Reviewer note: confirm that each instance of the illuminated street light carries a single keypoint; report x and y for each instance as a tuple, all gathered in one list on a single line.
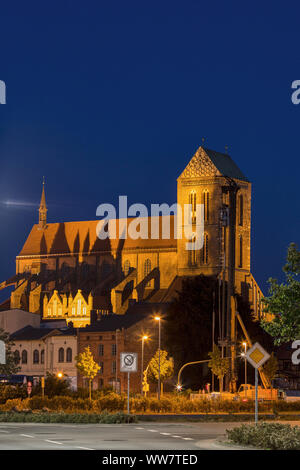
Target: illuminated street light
[(178, 387), (60, 375), (144, 338), (157, 318)]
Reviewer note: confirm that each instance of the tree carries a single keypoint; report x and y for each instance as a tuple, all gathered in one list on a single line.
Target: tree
[(284, 301), (87, 367), (11, 366), (270, 368), (54, 386), (218, 365), (188, 325), (166, 367)]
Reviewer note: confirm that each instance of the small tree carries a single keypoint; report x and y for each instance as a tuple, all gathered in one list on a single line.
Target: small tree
[(284, 301), (11, 366), (87, 367), (166, 367), (219, 365), (270, 368)]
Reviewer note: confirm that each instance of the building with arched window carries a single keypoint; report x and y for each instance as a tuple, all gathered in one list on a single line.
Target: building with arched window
[(65, 267), (43, 350)]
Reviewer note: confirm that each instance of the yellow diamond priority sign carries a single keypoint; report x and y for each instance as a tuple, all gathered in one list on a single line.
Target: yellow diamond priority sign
[(257, 356)]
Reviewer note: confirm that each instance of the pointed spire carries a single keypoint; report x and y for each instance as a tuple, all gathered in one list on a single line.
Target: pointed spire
[(43, 208)]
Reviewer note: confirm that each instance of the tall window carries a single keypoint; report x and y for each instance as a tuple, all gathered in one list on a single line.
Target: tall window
[(205, 249), (147, 270), (113, 367), (42, 356), (113, 349), (78, 306), (193, 203), (192, 253), (101, 349), (126, 267), (240, 251), (241, 209), (36, 357), (206, 205), (101, 364), (61, 355), (24, 357), (69, 355)]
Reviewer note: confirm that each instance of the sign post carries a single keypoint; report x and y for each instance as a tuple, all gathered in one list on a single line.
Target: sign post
[(128, 364), (2, 352), (43, 386), (257, 356)]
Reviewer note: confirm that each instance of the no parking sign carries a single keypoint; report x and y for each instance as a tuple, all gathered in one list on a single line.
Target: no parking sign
[(128, 362)]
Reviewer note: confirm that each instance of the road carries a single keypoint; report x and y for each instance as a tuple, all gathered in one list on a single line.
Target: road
[(145, 436)]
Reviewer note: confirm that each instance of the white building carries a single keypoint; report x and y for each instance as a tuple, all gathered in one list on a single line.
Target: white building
[(42, 350)]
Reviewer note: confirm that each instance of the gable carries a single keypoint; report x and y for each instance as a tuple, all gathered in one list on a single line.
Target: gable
[(206, 162)]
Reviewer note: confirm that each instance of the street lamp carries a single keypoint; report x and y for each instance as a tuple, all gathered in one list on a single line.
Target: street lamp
[(144, 338), (59, 375), (245, 346), (158, 319)]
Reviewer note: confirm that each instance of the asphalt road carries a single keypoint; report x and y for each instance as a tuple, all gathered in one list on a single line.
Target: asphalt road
[(144, 436)]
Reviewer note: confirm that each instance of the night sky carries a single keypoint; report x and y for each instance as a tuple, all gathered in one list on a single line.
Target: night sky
[(113, 98)]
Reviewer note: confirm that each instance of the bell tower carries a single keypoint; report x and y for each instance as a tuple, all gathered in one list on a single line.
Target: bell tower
[(43, 209)]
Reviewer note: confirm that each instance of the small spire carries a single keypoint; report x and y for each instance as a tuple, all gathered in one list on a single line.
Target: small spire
[(226, 149), (43, 208), (203, 140)]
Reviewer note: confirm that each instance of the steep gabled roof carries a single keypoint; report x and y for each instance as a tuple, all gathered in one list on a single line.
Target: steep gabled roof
[(206, 162), (81, 237)]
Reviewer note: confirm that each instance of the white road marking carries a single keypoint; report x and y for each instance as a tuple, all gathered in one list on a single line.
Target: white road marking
[(27, 435), (179, 437), (188, 438), (4, 431), (84, 448), (152, 430), (53, 442), (165, 433), (139, 428)]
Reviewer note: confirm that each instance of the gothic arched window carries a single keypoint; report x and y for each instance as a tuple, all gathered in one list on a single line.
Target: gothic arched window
[(147, 270), (61, 355), (69, 355), (192, 252), (193, 204), (42, 356), (241, 209), (36, 357), (206, 205), (126, 267), (205, 249), (240, 251), (24, 357)]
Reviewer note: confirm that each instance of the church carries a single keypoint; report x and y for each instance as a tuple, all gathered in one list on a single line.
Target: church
[(65, 272)]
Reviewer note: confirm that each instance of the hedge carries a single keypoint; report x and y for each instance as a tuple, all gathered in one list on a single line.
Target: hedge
[(92, 418), (274, 436)]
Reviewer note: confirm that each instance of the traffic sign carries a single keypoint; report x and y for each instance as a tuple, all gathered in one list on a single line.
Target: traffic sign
[(257, 356), (128, 362), (2, 352)]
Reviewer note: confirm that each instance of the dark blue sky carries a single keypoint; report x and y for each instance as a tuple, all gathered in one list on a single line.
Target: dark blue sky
[(109, 98)]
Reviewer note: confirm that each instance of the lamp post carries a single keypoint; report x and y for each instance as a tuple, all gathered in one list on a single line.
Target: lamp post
[(158, 319), (144, 338), (245, 346)]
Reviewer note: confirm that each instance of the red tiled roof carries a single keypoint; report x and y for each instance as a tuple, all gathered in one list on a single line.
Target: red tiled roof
[(81, 237)]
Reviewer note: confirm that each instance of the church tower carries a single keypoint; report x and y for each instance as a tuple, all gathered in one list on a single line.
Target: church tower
[(43, 209)]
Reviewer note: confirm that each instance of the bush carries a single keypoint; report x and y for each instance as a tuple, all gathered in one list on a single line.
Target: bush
[(274, 436), (105, 418)]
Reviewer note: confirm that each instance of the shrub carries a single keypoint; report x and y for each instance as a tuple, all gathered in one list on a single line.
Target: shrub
[(275, 436), (105, 418)]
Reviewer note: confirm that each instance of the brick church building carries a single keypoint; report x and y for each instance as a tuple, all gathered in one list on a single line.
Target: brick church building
[(64, 271)]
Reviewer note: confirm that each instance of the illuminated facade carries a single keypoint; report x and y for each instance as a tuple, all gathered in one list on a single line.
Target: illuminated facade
[(65, 271)]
